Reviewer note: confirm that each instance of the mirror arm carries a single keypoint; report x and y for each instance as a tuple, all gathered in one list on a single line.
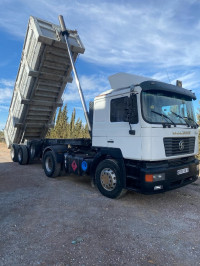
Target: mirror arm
[(131, 131)]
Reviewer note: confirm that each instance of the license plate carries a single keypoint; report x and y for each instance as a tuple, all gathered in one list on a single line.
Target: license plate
[(182, 171)]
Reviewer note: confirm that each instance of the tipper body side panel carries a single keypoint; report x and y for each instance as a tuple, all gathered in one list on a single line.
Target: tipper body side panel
[(43, 74)]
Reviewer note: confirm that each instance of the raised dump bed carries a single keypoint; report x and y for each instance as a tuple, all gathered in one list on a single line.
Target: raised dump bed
[(44, 71)]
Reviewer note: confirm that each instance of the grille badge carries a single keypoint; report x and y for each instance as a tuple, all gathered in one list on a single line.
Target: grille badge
[(181, 145)]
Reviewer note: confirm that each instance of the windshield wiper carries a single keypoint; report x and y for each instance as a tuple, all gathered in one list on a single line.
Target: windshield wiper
[(190, 119), (165, 116), (181, 118)]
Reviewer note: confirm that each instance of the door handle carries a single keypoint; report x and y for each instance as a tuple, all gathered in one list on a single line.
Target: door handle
[(110, 141)]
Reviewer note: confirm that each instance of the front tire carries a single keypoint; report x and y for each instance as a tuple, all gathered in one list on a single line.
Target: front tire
[(108, 179), (50, 165)]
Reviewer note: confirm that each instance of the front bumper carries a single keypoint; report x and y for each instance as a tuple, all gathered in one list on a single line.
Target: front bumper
[(172, 179)]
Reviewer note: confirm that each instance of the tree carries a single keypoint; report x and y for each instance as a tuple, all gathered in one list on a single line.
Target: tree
[(78, 132), (64, 123), (60, 129), (86, 132), (65, 130), (2, 136), (72, 124)]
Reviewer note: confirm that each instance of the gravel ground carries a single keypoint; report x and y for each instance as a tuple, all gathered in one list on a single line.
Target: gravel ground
[(65, 221)]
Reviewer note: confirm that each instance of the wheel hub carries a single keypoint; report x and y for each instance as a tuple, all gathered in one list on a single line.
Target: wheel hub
[(108, 179), (12, 153)]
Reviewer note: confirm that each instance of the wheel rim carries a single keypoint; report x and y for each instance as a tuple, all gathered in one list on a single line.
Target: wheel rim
[(49, 164), (108, 179), (20, 155), (12, 153)]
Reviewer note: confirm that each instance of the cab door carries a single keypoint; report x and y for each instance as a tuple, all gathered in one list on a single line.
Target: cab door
[(123, 129)]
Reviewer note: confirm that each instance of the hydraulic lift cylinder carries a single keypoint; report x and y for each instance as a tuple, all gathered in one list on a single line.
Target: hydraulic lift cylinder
[(66, 34)]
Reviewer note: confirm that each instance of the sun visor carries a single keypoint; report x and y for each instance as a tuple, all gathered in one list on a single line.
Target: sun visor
[(161, 86)]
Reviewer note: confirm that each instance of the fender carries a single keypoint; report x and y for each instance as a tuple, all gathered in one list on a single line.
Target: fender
[(106, 153), (58, 150)]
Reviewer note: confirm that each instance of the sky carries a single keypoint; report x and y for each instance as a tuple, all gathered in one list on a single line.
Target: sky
[(152, 38)]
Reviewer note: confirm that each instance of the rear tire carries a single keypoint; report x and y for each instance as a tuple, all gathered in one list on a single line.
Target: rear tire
[(50, 165), (14, 152), (23, 154), (108, 179), (34, 150)]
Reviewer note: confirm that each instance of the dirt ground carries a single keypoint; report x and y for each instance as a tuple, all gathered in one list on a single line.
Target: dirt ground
[(65, 221)]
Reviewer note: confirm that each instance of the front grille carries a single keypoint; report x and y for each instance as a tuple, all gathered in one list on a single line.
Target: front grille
[(176, 146)]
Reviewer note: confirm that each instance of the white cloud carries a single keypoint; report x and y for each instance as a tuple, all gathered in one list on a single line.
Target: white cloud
[(91, 85), (164, 76), (6, 91), (139, 36), (4, 107), (4, 63), (7, 82), (5, 95), (120, 33), (190, 79)]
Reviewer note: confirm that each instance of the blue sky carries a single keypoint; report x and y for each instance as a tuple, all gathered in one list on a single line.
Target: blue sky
[(158, 39)]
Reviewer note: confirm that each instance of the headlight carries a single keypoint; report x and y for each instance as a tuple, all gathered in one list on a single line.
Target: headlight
[(159, 177)]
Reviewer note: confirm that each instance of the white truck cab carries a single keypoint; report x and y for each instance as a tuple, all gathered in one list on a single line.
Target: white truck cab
[(162, 111), (150, 122)]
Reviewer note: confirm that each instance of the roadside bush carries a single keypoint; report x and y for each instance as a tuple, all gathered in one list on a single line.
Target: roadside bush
[(2, 139)]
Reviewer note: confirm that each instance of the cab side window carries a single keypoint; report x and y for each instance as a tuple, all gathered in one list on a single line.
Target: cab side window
[(118, 110)]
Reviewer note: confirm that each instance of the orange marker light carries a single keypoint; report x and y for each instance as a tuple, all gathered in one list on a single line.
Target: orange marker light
[(149, 178)]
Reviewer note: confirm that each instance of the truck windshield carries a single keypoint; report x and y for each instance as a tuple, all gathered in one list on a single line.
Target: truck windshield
[(178, 108)]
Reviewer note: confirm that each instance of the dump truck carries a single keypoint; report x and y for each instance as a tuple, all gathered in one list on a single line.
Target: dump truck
[(144, 136)]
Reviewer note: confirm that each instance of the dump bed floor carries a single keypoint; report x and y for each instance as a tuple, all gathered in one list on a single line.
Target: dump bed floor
[(44, 71)]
